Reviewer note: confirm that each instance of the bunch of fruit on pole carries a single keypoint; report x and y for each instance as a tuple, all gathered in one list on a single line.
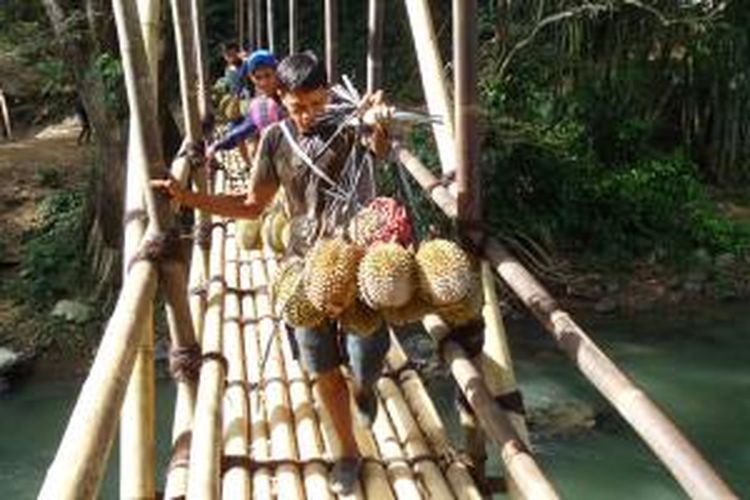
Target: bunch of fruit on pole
[(375, 274)]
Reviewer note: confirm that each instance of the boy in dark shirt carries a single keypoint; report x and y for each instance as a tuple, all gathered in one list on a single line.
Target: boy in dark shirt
[(283, 160)]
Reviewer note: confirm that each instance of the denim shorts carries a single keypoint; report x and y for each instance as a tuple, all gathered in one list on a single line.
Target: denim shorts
[(322, 349)]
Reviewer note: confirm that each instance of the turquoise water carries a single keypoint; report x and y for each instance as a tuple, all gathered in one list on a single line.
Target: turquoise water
[(697, 366)]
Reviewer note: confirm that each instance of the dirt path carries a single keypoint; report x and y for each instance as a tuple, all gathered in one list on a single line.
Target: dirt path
[(31, 167)]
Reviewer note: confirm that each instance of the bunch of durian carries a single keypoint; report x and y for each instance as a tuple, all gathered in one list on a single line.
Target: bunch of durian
[(361, 289)]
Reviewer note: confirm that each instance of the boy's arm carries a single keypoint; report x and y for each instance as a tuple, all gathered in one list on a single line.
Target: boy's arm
[(242, 206)]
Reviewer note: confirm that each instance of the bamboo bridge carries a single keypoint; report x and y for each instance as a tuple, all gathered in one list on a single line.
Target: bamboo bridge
[(246, 422)]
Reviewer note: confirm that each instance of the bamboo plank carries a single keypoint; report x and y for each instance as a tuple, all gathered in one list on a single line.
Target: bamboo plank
[(429, 421), (236, 480), (259, 448), (399, 471), (205, 450), (413, 441), (283, 445)]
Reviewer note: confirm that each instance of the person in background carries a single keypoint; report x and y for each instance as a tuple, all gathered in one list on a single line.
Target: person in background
[(264, 109)]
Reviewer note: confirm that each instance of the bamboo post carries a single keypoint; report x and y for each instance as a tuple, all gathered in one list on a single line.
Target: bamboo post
[(6, 115), (240, 19), (518, 461), (259, 23), (331, 39), (205, 446), (186, 56), (137, 432), (78, 466), (236, 480), (198, 21), (283, 445), (665, 439), (375, 45), (259, 449), (293, 27), (433, 82), (429, 422), (250, 24), (413, 441), (270, 32)]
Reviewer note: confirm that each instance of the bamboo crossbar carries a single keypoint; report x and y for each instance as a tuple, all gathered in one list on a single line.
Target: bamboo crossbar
[(695, 475)]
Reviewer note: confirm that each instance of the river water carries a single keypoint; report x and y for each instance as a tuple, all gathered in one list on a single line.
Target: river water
[(697, 366)]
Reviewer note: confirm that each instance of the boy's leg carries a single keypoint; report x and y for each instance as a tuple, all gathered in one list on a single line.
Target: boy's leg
[(319, 353), (366, 357)]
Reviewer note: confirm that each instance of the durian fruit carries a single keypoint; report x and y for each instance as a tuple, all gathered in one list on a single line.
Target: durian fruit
[(286, 235), (387, 276), (465, 310), (290, 300), (414, 310), (331, 275), (359, 319), (364, 225), (444, 272), (248, 231), (382, 220), (273, 225)]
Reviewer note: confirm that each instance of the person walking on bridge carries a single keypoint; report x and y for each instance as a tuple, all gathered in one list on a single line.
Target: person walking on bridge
[(280, 162)]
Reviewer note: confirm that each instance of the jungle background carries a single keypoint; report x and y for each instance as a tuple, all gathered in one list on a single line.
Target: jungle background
[(615, 145)]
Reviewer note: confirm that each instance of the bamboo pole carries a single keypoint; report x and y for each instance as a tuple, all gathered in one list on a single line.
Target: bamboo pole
[(137, 432), (399, 472), (429, 422), (186, 56), (665, 439), (413, 441), (293, 27), (518, 461), (466, 112), (240, 20), (332, 39), (198, 21), (281, 425), (205, 449), (78, 466), (259, 23), (375, 45), (236, 480), (270, 32), (259, 449), (433, 82), (6, 115), (251, 39)]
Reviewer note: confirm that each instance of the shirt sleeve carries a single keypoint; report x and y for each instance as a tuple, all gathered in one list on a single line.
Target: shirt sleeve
[(264, 172), (239, 133)]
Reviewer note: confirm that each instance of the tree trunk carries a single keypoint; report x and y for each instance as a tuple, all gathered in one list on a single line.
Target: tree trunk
[(78, 26)]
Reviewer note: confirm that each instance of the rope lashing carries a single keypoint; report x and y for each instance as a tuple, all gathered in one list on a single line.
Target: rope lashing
[(185, 363), (180, 455), (159, 248), (202, 232), (443, 181)]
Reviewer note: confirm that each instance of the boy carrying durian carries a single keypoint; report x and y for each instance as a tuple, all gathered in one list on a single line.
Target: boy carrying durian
[(307, 156)]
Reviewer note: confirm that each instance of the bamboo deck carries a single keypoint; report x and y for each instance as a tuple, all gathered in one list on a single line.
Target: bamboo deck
[(257, 430)]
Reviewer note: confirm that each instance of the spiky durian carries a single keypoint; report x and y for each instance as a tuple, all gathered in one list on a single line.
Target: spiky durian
[(383, 220), (290, 300), (412, 312), (444, 272), (387, 276), (359, 319), (273, 225), (286, 235), (465, 310), (247, 234), (331, 275)]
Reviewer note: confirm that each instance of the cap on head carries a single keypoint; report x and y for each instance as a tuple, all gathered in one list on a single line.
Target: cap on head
[(259, 58)]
